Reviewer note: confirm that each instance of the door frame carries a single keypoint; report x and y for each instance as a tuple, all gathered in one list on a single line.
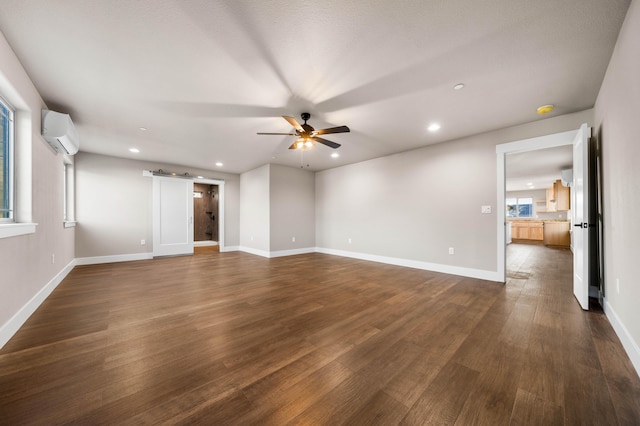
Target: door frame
[(220, 184), (525, 145)]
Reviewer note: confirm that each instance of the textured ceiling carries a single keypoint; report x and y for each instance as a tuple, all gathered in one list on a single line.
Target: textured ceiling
[(203, 77)]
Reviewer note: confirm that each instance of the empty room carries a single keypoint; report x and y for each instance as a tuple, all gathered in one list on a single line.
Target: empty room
[(330, 213)]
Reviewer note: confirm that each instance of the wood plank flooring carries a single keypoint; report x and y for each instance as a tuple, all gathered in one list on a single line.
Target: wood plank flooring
[(232, 338)]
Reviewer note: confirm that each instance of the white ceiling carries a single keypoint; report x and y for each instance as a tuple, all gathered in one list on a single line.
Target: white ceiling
[(203, 77), (537, 169)]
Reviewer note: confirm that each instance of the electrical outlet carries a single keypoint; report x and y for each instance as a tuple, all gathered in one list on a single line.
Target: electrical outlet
[(53, 258), (293, 239), (452, 250), (142, 242), (618, 285), (486, 209), (252, 238), (349, 240)]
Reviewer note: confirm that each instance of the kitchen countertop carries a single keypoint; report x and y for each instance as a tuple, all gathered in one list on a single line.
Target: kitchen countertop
[(536, 220)]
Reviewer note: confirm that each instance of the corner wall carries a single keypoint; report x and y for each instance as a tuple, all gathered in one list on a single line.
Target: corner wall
[(616, 116), (292, 209), (278, 205), (254, 211)]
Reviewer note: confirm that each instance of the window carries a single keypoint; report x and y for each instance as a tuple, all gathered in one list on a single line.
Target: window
[(69, 205), (519, 207), (6, 162)]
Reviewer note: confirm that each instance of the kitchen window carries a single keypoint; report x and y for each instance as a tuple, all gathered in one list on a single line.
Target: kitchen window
[(519, 207)]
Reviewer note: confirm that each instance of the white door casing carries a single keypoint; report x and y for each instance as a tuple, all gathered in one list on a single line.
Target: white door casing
[(172, 216), (502, 150)]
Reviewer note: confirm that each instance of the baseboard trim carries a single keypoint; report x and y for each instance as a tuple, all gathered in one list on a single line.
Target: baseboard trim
[(629, 345), (224, 249), (282, 253), (434, 267), (113, 259), (279, 253), (257, 252), (16, 321)]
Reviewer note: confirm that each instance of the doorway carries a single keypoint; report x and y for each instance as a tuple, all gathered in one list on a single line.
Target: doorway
[(583, 257), (173, 214), (205, 214), (214, 221)]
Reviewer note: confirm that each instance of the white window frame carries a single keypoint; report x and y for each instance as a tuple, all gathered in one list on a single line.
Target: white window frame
[(69, 202), (518, 206), (10, 161), (21, 166)]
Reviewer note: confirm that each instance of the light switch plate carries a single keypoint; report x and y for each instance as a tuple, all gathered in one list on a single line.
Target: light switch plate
[(486, 209)]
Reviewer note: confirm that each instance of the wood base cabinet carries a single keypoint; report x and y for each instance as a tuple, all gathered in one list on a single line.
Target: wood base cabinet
[(557, 234), (527, 230)]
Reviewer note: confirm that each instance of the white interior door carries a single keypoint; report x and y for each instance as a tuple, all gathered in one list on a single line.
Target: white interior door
[(580, 216), (172, 216)]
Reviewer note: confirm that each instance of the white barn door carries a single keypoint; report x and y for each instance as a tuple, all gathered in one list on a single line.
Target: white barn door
[(172, 216)]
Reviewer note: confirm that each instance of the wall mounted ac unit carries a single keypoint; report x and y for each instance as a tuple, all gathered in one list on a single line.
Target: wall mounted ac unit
[(567, 177), (58, 130)]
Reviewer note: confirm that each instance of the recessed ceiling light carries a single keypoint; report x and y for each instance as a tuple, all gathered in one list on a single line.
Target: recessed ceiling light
[(433, 127), (544, 109), (458, 86), (136, 150), (219, 164), (200, 177), (529, 183), (144, 129), (335, 155)]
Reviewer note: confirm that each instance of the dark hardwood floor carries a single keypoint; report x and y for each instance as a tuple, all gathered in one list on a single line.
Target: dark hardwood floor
[(232, 338)]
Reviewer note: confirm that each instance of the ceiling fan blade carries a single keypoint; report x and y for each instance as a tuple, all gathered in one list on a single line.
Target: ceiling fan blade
[(339, 129), (285, 134), (294, 123), (327, 143)]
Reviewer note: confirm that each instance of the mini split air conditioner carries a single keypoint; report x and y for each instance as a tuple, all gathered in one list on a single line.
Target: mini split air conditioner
[(58, 130), (567, 177)]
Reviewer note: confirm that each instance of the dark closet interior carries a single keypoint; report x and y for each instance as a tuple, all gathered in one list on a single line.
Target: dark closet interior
[(205, 212)]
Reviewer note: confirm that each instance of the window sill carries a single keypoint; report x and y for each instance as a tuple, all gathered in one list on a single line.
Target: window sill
[(15, 229), (69, 224)]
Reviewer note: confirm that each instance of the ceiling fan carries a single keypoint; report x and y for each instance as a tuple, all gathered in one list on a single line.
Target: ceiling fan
[(307, 135)]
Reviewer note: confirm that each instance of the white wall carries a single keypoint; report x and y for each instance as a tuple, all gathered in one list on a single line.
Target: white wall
[(28, 274), (616, 116), (114, 202), (292, 208), (413, 206), (254, 211)]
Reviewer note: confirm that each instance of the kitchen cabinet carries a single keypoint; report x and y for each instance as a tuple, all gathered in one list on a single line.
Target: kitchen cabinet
[(562, 196), (556, 233), (527, 230), (536, 232), (551, 199), (558, 199)]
